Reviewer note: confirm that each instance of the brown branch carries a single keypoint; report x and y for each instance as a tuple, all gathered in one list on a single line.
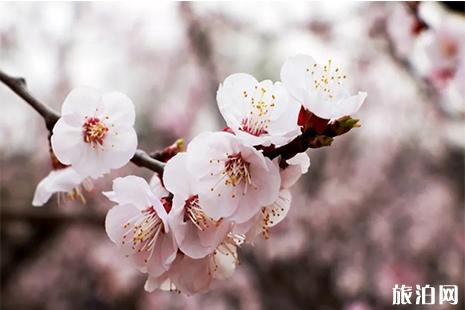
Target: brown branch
[(50, 116), (316, 133), (19, 87)]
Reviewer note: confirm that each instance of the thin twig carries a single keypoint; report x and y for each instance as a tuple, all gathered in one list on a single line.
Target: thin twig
[(50, 116), (19, 87)]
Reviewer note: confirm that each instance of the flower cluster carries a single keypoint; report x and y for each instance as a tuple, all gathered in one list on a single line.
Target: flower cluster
[(183, 229)]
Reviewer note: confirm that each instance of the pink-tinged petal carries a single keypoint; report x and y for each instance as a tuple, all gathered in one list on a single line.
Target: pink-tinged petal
[(198, 244), (251, 228), (118, 108), (279, 209), (119, 146), (116, 219), (84, 101), (298, 165), (267, 180), (156, 186), (176, 221), (217, 207), (176, 176), (67, 142), (248, 208), (163, 255), (63, 180), (294, 75), (132, 190), (73, 120), (225, 262), (193, 275)]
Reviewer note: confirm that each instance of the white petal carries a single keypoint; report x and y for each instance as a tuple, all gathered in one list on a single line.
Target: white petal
[(115, 220), (84, 101), (349, 105), (295, 76), (230, 97), (225, 262), (91, 162), (132, 190), (157, 187), (67, 142), (298, 165), (119, 108), (279, 209), (63, 180), (162, 282), (119, 146), (176, 176)]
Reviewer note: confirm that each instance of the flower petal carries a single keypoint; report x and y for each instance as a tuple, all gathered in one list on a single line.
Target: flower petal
[(295, 76), (132, 190), (279, 209), (115, 220), (63, 180), (176, 176), (84, 101), (119, 108), (119, 146), (67, 142), (231, 100), (298, 165)]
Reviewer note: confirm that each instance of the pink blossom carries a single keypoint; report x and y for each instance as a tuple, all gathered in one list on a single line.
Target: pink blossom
[(197, 234), (233, 180), (95, 132), (441, 48), (273, 214), (190, 276), (320, 88), (139, 225), (259, 113)]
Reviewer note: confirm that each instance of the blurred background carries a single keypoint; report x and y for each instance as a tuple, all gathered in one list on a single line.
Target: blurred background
[(383, 205)]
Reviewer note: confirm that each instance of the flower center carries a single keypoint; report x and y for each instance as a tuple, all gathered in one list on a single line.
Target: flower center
[(143, 230), (449, 48), (236, 170), (257, 120), (94, 131), (195, 214), (326, 80)]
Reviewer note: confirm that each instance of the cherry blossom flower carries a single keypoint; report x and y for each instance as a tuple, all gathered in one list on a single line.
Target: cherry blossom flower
[(190, 276), (275, 213), (296, 167), (95, 132), (259, 113), (319, 88), (139, 225), (438, 51), (197, 234), (233, 180), (65, 180)]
